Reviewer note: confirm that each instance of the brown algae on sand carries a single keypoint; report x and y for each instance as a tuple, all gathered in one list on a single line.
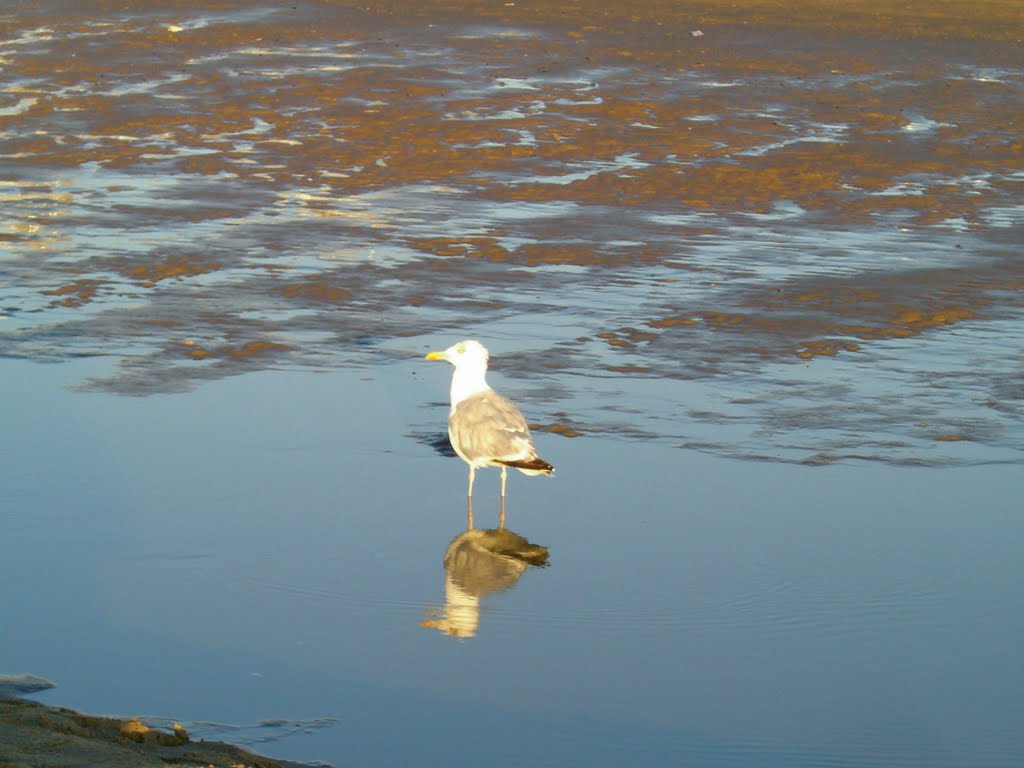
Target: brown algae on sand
[(802, 184)]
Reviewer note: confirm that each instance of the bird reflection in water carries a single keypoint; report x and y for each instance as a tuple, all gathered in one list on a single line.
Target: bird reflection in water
[(478, 563)]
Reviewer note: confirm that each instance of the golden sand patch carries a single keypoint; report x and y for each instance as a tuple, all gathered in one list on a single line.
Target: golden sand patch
[(171, 267), (76, 293)]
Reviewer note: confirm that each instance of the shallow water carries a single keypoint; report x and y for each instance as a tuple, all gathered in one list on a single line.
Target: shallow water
[(209, 558), (768, 279)]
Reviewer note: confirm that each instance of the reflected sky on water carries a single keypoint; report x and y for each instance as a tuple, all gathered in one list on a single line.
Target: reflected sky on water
[(251, 554)]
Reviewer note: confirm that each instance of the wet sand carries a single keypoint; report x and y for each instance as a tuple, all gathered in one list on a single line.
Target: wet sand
[(765, 230), (33, 735), (672, 194)]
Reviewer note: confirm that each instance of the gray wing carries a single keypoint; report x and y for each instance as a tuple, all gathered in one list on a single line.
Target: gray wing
[(488, 426)]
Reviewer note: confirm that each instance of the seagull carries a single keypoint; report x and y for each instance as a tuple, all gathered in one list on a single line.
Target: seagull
[(486, 429)]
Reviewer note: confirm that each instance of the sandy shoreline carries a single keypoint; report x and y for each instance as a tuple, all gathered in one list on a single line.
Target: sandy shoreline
[(725, 194), (35, 735)]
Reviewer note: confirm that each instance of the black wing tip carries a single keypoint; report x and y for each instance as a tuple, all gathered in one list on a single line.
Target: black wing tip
[(534, 465)]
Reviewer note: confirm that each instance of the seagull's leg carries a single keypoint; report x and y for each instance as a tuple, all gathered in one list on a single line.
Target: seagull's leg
[(503, 470), (472, 471), (501, 515), (469, 514)]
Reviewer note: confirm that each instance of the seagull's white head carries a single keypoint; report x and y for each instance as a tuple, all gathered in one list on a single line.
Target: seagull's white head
[(466, 355), (470, 360)]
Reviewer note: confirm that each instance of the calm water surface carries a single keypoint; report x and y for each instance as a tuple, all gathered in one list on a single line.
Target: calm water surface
[(267, 547), (759, 291)]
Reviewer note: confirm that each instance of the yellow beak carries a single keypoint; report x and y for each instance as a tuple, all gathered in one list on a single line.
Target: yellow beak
[(437, 356)]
